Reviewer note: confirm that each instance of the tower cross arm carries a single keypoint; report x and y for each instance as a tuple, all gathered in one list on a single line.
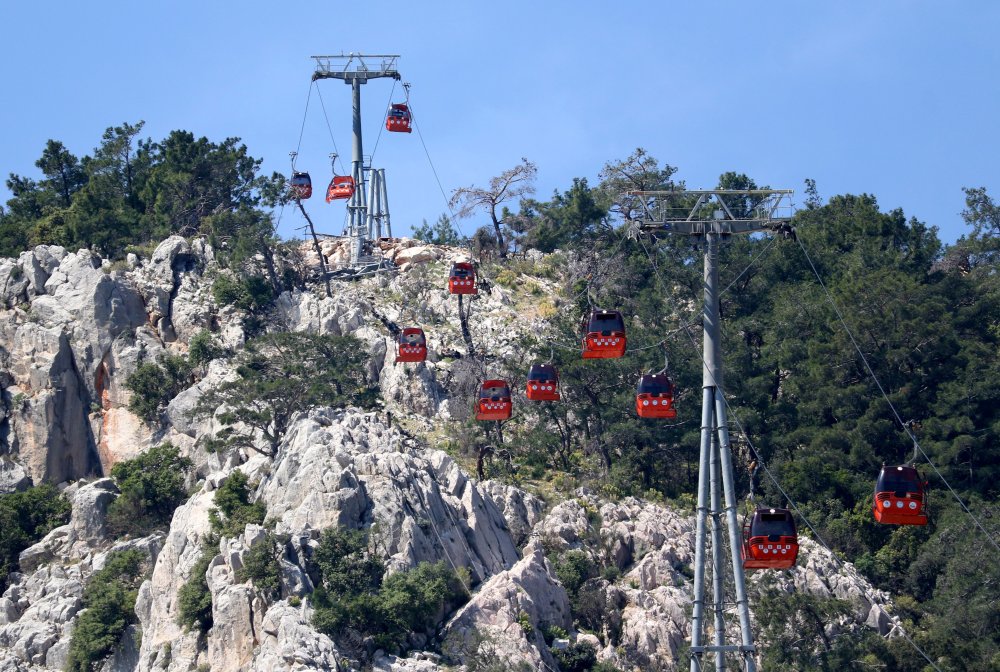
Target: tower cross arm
[(352, 66), (697, 212)]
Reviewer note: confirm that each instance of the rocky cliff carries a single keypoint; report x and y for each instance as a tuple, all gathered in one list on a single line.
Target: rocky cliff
[(73, 327)]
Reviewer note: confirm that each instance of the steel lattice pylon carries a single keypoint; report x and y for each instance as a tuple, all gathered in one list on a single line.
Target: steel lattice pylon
[(712, 216), (367, 213)]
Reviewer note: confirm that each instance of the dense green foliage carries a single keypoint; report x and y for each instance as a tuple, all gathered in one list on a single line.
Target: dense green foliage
[(153, 385), (26, 517), (133, 192), (194, 599), (109, 608), (152, 486), (233, 509), (354, 593), (281, 374), (925, 316), (261, 566), (202, 349), (442, 232)]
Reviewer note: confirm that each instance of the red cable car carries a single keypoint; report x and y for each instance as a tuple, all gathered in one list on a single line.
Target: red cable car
[(398, 119), (301, 185), (462, 279), (494, 401), (543, 383), (770, 540), (654, 398), (900, 496), (341, 186), (603, 334), (411, 346)]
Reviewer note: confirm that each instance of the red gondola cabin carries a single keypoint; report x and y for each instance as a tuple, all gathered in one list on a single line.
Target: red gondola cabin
[(543, 383), (462, 279), (654, 398), (411, 346), (341, 186), (301, 185), (603, 334), (494, 401), (770, 540), (398, 119), (900, 497)]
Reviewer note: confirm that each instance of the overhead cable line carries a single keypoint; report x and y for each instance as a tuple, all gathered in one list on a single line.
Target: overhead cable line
[(305, 115), (329, 128), (423, 144), (885, 396), (746, 436), (381, 127)]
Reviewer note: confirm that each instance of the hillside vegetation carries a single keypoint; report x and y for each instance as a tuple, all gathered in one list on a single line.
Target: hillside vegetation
[(926, 317)]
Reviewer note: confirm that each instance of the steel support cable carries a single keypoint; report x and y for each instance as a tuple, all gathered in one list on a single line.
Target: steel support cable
[(305, 115), (382, 126), (423, 144), (329, 129), (760, 462), (750, 265), (885, 396)]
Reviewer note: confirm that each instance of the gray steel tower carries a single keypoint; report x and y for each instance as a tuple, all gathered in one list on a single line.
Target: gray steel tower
[(711, 216), (367, 214)]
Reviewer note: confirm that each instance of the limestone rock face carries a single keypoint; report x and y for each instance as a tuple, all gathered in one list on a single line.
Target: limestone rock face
[(13, 476), (511, 608), (347, 468), (289, 642), (39, 608), (156, 605), (72, 330)]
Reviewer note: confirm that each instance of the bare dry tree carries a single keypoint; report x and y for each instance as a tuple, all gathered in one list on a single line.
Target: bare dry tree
[(512, 183)]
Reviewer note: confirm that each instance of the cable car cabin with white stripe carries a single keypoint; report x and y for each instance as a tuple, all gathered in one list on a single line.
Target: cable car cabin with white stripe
[(900, 496), (411, 346), (494, 401), (603, 334), (543, 383)]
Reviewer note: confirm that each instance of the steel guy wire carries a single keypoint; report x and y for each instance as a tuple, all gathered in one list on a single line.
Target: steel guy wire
[(885, 396)]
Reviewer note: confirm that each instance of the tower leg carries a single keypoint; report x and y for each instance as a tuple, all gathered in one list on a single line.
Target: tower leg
[(718, 571), (697, 618), (735, 534)]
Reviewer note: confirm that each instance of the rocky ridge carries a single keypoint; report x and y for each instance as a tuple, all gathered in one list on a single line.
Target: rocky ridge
[(74, 327)]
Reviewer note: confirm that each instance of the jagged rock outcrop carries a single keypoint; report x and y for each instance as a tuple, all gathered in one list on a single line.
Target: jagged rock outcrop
[(333, 468), (38, 609), (511, 609), (347, 468), (72, 329)]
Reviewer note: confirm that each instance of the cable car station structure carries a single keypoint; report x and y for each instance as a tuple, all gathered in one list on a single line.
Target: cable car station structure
[(368, 207), (711, 217)]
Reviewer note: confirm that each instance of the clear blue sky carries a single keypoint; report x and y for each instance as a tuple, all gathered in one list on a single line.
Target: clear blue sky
[(894, 98)]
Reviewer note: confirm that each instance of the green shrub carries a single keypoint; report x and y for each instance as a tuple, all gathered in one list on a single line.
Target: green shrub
[(202, 348), (574, 568), (26, 517), (194, 599), (109, 608), (152, 486), (579, 657), (233, 510), (252, 294), (353, 595), (154, 385), (261, 566)]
